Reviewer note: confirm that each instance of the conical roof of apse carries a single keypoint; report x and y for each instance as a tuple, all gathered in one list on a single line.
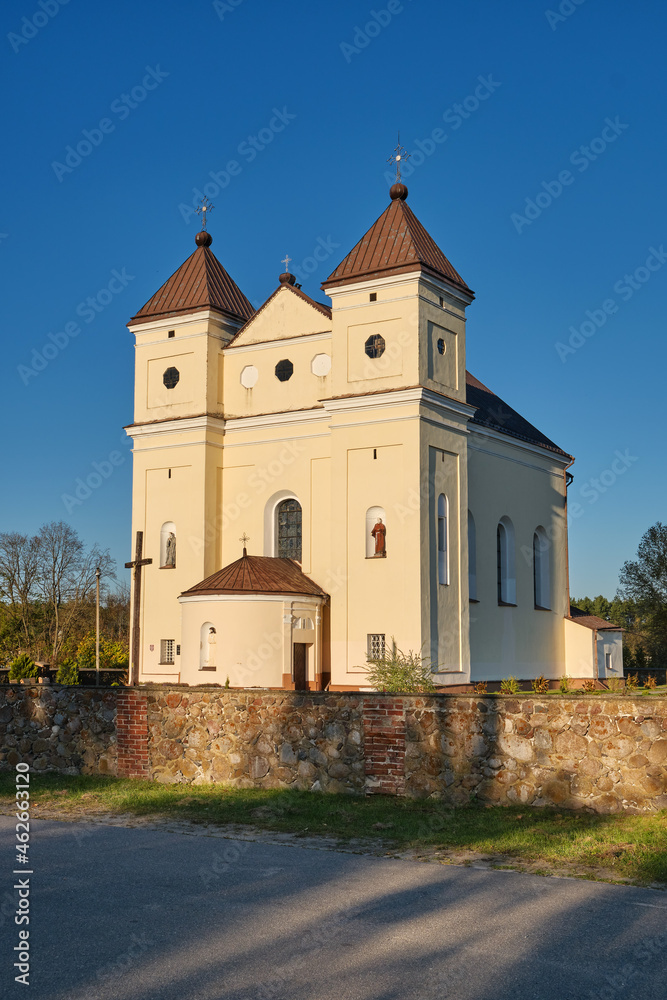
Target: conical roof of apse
[(258, 575)]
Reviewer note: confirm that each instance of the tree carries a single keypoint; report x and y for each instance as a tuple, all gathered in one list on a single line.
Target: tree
[(47, 593), (644, 582), (112, 654), (65, 579), (21, 667), (19, 565)]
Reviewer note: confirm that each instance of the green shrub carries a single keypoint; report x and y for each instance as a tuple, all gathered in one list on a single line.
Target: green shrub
[(112, 654), (564, 684), (631, 683), (22, 666), (398, 672), (68, 672), (510, 685)]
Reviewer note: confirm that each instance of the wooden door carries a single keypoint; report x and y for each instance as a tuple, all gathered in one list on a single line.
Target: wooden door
[(300, 666)]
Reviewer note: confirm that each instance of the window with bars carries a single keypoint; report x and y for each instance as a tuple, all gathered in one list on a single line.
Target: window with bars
[(167, 650), (375, 346), (288, 530), (376, 645)]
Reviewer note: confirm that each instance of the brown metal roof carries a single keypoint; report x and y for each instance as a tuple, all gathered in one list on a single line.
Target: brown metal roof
[(590, 621), (496, 414), (397, 242), (200, 283), (258, 575)]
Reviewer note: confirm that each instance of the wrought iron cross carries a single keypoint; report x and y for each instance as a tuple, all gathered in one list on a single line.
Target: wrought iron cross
[(205, 207), (245, 539), (286, 261), (398, 156)]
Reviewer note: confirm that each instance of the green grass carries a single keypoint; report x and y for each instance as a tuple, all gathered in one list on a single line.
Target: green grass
[(631, 847)]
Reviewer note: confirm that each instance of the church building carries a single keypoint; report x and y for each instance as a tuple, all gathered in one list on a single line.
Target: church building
[(318, 483)]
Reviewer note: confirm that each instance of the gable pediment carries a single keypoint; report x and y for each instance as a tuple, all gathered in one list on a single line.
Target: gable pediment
[(287, 313)]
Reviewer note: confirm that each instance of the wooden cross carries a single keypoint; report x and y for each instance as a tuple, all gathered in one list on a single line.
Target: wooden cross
[(136, 565), (286, 261)]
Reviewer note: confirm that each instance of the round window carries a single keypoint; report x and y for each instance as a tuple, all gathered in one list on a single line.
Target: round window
[(375, 346), (441, 346), (284, 370), (171, 377)]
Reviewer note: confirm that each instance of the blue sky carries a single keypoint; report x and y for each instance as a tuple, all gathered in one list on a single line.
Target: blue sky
[(179, 88)]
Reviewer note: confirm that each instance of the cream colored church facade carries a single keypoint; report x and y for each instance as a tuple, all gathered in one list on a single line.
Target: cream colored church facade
[(316, 482)]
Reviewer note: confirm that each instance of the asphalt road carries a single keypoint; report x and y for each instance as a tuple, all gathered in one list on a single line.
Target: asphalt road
[(140, 914)]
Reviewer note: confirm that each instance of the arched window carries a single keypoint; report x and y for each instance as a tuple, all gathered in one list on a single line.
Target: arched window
[(443, 539), (376, 538), (541, 581), (168, 545), (472, 558), (288, 529), (207, 646), (506, 571)]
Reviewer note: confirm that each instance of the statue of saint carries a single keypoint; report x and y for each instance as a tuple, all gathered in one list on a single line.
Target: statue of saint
[(211, 647), (379, 533), (170, 554)]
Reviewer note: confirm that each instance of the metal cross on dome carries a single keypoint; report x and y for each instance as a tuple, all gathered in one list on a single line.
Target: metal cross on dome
[(205, 207), (286, 261), (245, 539), (398, 156)]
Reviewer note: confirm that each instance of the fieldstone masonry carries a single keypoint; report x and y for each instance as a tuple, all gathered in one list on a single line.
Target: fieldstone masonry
[(68, 729), (585, 751)]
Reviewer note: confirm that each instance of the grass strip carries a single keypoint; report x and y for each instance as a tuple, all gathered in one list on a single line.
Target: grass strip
[(630, 847)]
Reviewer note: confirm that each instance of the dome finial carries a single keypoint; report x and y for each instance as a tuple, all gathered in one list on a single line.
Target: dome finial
[(286, 278), (204, 239), (244, 538)]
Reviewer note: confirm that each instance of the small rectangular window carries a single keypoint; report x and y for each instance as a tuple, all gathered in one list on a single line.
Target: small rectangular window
[(375, 453), (442, 302), (166, 651), (376, 645), (169, 476), (607, 661), (172, 333), (373, 297)]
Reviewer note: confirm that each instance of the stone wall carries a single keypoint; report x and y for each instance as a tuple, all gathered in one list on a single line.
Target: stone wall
[(607, 754), (268, 740), (66, 729), (585, 751)]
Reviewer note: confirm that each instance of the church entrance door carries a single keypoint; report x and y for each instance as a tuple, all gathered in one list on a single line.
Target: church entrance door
[(300, 664)]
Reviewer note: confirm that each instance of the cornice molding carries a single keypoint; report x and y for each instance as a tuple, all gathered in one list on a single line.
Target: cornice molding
[(262, 345)]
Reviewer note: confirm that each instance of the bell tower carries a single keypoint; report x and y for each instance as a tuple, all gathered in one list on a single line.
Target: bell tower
[(399, 428), (177, 435)]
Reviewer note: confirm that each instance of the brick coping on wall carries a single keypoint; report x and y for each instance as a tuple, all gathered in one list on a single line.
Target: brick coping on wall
[(599, 694)]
